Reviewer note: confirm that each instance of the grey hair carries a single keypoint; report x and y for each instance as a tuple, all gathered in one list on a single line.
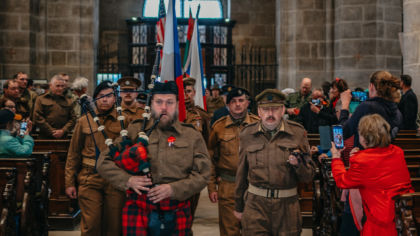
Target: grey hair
[(56, 77), (80, 83)]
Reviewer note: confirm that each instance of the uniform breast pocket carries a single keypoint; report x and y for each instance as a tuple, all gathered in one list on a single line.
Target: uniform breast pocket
[(284, 150), (227, 144), (47, 107), (256, 156), (181, 154)]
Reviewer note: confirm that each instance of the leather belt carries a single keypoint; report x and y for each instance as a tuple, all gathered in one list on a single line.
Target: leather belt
[(88, 162), (272, 193)]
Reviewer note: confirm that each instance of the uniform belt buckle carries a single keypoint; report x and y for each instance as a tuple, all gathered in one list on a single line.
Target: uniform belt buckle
[(270, 193)]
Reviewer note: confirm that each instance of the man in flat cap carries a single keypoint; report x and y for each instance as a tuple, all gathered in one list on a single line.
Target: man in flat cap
[(128, 92), (273, 158), (215, 101), (180, 168), (100, 203), (223, 149)]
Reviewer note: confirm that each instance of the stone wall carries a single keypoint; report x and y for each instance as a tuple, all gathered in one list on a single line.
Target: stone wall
[(44, 37)]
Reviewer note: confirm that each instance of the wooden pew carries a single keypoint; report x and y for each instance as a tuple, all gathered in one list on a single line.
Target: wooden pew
[(407, 213), (7, 201), (64, 213)]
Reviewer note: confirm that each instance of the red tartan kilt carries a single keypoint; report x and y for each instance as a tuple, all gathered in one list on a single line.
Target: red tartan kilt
[(137, 208)]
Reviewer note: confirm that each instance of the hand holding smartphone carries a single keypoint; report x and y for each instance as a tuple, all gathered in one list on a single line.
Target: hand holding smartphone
[(338, 136)]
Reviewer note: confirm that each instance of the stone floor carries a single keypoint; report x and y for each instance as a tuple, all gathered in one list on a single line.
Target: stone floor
[(205, 223)]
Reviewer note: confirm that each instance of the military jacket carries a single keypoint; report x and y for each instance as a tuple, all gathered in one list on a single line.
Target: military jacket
[(263, 162), (214, 103), (82, 144), (224, 147), (183, 163), (132, 113), (200, 119), (53, 112), (28, 97)]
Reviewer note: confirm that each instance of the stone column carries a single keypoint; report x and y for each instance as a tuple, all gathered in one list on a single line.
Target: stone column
[(411, 42)]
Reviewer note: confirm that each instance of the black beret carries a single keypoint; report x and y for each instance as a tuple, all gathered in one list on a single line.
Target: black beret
[(227, 88), (6, 116), (142, 97), (165, 88), (103, 85), (236, 92)]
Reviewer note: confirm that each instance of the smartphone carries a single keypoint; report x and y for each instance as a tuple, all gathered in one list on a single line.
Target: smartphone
[(316, 102), (338, 136), (23, 127), (358, 96)]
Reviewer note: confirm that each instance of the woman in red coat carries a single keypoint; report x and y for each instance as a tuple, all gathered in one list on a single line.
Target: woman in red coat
[(379, 172)]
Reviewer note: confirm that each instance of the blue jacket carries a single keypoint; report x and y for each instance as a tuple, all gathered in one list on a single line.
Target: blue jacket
[(15, 146), (377, 105)]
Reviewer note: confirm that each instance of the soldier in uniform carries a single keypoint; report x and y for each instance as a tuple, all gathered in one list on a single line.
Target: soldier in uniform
[(141, 100), (128, 92), (100, 203), (271, 165), (53, 112), (296, 100), (180, 165), (223, 149), (27, 97), (215, 101), (223, 111), (12, 92)]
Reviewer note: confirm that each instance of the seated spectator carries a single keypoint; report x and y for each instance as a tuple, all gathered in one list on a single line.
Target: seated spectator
[(295, 101), (13, 145), (408, 104), (379, 172), (27, 97), (312, 115), (53, 113)]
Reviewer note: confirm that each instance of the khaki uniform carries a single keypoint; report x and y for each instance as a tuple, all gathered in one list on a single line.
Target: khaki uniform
[(184, 165), (28, 97), (100, 203), (223, 149), (297, 100), (264, 165), (213, 104), (53, 112), (132, 113)]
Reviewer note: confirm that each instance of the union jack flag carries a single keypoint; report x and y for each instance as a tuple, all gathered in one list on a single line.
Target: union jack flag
[(160, 26)]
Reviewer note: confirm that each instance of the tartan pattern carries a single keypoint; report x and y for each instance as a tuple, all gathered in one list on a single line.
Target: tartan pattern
[(133, 159), (137, 208)]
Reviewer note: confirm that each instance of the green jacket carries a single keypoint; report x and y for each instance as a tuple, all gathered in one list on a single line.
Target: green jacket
[(297, 100)]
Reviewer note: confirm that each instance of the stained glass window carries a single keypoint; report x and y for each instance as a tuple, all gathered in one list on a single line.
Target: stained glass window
[(209, 9)]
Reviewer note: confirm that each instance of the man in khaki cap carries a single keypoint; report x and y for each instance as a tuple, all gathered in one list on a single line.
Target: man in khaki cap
[(215, 101), (271, 163), (223, 150), (128, 93)]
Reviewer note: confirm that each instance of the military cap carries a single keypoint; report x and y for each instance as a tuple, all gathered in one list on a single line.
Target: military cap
[(165, 88), (227, 88), (215, 87), (142, 97), (188, 81), (129, 82), (270, 97), (236, 92), (103, 85), (6, 116)]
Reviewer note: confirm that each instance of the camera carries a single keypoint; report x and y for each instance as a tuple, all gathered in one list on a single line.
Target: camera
[(358, 96), (316, 102)]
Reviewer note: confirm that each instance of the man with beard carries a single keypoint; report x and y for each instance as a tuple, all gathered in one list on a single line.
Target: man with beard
[(53, 112), (223, 149), (100, 203), (271, 165), (180, 166), (128, 92), (27, 97)]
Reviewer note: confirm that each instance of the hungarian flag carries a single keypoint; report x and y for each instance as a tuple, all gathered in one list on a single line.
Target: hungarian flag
[(194, 64), (171, 62)]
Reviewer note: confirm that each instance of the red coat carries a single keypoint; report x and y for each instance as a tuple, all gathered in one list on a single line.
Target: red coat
[(379, 174)]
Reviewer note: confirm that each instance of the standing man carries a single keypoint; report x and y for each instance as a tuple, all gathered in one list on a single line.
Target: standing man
[(53, 112), (128, 92), (223, 149), (79, 87), (100, 203), (27, 97), (295, 101), (180, 167), (12, 92), (408, 104), (270, 169), (215, 101), (223, 111)]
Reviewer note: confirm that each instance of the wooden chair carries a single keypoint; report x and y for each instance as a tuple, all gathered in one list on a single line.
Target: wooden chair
[(407, 214), (8, 201)]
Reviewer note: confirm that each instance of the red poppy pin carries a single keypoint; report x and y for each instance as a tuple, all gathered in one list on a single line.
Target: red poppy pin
[(171, 141)]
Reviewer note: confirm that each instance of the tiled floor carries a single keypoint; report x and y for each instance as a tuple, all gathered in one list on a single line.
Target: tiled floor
[(205, 223)]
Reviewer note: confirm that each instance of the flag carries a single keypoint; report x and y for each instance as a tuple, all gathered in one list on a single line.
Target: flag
[(194, 66), (160, 25), (171, 60), (187, 59)]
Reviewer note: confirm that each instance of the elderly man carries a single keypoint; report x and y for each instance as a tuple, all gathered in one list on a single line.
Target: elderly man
[(128, 92), (272, 162), (100, 203), (295, 101), (79, 88), (27, 97), (53, 112), (223, 149), (12, 92), (180, 168)]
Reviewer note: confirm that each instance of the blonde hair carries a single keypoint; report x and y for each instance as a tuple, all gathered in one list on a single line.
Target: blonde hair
[(375, 130), (387, 86)]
